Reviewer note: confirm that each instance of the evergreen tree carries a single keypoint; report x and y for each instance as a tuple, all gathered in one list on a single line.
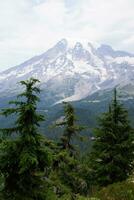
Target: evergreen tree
[(68, 171), (112, 154), (24, 161), (71, 129)]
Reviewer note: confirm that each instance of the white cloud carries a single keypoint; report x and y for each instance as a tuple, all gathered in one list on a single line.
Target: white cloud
[(29, 27)]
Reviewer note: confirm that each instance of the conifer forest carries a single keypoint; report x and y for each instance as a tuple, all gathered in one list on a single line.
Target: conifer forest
[(36, 167)]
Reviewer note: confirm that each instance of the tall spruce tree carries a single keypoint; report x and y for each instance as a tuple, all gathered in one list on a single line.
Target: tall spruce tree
[(67, 168), (24, 161), (71, 129), (112, 154)]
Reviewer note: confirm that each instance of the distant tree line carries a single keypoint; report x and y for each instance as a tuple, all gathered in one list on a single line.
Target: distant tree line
[(33, 167)]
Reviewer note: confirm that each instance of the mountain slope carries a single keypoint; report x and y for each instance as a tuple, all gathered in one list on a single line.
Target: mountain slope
[(72, 72)]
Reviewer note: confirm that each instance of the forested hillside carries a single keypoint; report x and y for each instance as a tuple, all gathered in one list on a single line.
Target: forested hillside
[(35, 167)]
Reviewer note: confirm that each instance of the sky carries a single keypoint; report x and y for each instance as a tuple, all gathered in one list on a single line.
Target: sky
[(30, 27)]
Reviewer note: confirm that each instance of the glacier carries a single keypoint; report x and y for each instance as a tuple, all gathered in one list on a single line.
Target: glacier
[(71, 72)]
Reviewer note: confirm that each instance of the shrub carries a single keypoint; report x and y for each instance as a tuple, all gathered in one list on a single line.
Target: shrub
[(117, 191)]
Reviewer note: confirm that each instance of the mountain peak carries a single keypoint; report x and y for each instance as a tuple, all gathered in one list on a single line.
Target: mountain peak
[(62, 42), (78, 46), (105, 49), (72, 70)]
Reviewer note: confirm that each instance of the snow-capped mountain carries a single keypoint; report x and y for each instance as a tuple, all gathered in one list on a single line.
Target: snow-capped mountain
[(71, 72)]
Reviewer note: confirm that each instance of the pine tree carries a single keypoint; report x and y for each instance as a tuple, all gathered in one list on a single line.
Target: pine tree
[(112, 154), (24, 161), (71, 129), (67, 168)]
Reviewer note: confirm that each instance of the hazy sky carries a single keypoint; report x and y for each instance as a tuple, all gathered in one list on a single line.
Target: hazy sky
[(29, 27)]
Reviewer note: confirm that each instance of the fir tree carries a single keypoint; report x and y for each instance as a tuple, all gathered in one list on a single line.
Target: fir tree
[(112, 154), (67, 168), (24, 161), (71, 129)]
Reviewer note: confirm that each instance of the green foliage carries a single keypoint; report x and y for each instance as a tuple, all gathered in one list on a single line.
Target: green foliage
[(112, 154), (35, 168), (85, 198), (68, 171), (24, 160), (71, 129), (117, 191), (67, 175)]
